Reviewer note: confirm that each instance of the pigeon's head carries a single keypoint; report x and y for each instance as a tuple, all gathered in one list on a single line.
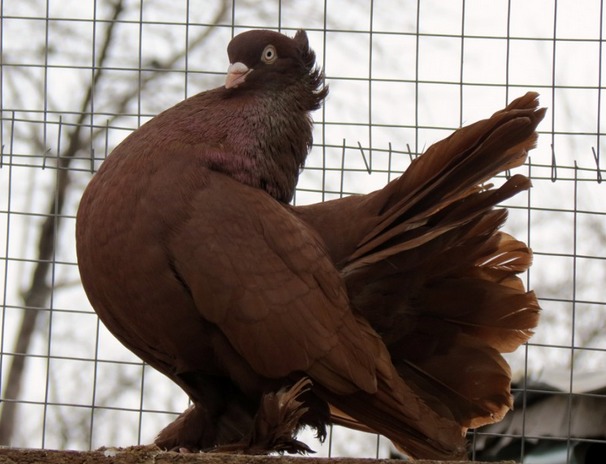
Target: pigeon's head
[(262, 59)]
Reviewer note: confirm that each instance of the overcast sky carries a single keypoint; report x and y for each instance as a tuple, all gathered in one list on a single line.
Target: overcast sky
[(416, 77)]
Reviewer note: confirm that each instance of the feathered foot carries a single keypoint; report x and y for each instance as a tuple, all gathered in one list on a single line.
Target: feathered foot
[(184, 433), (276, 424)]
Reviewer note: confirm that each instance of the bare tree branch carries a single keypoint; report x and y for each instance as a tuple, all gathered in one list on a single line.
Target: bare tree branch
[(146, 79), (36, 296)]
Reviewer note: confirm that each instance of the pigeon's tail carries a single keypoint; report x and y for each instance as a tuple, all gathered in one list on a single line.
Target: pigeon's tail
[(425, 263), (396, 411), (449, 175), (447, 309)]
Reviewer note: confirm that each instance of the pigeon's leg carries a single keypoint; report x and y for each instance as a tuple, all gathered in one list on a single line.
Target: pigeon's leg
[(279, 418)]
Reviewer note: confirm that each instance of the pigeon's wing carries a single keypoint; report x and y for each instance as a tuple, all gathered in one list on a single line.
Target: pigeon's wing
[(265, 280)]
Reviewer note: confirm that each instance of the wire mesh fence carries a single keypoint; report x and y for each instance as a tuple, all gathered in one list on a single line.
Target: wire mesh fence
[(77, 77)]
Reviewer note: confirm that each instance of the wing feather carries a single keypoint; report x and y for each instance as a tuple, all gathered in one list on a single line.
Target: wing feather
[(265, 279)]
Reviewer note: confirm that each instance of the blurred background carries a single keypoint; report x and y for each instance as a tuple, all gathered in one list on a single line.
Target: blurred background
[(77, 77)]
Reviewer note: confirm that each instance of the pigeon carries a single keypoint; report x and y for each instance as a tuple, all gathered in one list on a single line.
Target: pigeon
[(385, 312)]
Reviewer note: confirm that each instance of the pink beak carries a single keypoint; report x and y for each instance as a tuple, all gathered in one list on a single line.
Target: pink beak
[(236, 75)]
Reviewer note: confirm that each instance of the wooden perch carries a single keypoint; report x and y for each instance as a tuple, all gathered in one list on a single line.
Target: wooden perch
[(153, 455)]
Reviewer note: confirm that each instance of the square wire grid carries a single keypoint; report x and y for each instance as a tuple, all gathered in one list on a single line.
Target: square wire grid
[(77, 77)]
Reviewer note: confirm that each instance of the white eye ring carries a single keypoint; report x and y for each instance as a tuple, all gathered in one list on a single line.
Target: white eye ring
[(269, 54)]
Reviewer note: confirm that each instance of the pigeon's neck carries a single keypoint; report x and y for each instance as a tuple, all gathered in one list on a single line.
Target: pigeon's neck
[(282, 144), (258, 138), (270, 138)]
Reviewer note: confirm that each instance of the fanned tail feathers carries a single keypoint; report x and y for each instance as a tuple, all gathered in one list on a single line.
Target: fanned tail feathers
[(438, 281), (453, 169)]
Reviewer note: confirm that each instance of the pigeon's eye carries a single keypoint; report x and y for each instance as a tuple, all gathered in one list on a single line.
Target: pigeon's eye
[(269, 54)]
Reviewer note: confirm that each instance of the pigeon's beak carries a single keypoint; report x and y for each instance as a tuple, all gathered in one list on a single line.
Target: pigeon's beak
[(236, 74)]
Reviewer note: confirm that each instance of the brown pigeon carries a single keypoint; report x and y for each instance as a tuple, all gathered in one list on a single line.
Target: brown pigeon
[(384, 312)]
